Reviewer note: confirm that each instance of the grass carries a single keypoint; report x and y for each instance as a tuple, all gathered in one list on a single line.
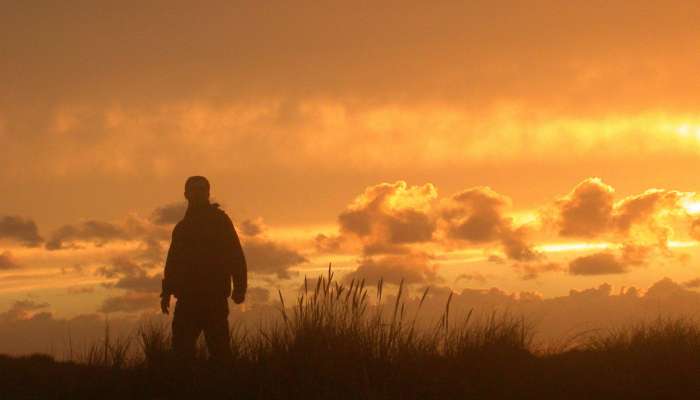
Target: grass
[(332, 343)]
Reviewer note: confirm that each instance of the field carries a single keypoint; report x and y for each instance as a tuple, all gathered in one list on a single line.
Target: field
[(332, 344)]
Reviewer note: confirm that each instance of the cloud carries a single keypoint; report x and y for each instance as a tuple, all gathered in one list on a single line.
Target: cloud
[(7, 261), (264, 256), (25, 327), (131, 276), (667, 289), (563, 317), (493, 258), (401, 219), (597, 264), (516, 246), (634, 254), (120, 266), (169, 214), (98, 232), (252, 227), (151, 250), (410, 226), (392, 268), (388, 215), (325, 244), (22, 309), (348, 70), (346, 62), (639, 224), (647, 219), (695, 229), (533, 270), (80, 289), (643, 208), (477, 216), (129, 302), (21, 230), (140, 283), (587, 210), (472, 277)]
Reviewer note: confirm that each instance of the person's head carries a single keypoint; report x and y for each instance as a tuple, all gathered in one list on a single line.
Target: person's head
[(197, 190)]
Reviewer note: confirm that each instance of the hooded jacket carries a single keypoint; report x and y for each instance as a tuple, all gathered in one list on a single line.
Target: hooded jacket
[(205, 254)]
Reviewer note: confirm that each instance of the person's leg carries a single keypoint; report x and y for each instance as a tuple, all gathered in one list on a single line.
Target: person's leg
[(216, 331), (186, 330)]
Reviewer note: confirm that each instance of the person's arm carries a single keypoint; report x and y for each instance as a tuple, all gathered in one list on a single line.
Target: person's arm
[(171, 270), (240, 271), (239, 268)]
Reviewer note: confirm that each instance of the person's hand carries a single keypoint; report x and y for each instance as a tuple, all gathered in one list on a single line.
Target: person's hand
[(238, 297), (165, 303)]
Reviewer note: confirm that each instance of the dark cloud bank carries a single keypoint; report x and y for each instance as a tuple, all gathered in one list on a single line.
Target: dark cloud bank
[(29, 326)]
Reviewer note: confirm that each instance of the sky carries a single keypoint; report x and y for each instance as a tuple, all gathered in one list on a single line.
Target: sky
[(534, 151)]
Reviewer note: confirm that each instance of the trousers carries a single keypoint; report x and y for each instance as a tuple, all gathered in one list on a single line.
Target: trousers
[(191, 317)]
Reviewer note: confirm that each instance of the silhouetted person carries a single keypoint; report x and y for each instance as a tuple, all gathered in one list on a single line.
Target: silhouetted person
[(204, 256)]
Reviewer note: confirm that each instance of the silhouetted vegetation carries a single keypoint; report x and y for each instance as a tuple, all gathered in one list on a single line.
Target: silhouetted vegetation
[(332, 344)]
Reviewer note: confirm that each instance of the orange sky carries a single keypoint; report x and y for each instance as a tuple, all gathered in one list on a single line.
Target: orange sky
[(378, 126)]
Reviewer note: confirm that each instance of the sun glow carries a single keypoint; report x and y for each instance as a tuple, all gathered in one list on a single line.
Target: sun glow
[(573, 247), (691, 131), (562, 247), (692, 207)]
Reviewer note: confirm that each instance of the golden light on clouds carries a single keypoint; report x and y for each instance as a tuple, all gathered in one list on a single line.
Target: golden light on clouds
[(690, 131), (328, 134), (477, 146), (692, 206)]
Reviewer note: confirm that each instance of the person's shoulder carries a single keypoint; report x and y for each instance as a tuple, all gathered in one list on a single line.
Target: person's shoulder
[(178, 226), (219, 212)]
